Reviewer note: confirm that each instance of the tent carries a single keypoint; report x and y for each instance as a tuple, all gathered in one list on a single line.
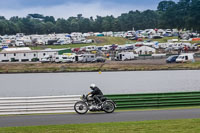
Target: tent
[(144, 50)]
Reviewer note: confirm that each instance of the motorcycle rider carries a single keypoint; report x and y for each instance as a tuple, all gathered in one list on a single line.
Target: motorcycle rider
[(96, 94)]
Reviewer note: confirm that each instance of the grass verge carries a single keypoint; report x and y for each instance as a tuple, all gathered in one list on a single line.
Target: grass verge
[(92, 67), (156, 126)]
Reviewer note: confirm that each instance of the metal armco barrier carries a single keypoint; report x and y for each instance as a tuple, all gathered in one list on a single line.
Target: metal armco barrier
[(156, 100), (33, 105), (63, 104)]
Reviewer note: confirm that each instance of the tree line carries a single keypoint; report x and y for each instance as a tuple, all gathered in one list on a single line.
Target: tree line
[(184, 14)]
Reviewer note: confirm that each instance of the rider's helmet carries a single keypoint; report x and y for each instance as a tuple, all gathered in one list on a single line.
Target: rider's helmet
[(92, 86)]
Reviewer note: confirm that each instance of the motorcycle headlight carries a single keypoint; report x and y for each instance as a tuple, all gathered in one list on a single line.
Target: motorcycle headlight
[(82, 97)]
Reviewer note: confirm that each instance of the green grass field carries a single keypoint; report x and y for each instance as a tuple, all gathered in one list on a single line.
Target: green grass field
[(157, 126)]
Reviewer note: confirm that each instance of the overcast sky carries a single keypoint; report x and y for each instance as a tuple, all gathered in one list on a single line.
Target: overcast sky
[(67, 8)]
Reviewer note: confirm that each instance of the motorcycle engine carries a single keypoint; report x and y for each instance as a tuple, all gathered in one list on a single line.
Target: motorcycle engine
[(94, 108)]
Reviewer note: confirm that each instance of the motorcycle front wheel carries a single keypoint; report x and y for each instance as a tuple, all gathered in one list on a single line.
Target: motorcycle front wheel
[(108, 107), (81, 107)]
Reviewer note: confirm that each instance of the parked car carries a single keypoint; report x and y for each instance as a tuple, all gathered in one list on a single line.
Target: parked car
[(129, 47), (75, 50), (171, 59), (114, 46), (99, 59), (99, 48), (197, 44)]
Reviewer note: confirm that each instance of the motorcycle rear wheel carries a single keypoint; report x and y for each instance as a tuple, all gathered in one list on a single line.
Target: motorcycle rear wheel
[(108, 107)]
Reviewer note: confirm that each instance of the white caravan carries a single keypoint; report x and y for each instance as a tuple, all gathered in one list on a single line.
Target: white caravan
[(68, 58), (125, 56)]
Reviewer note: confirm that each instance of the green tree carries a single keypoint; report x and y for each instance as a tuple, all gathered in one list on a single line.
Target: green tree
[(49, 19), (169, 14), (62, 26), (165, 5), (49, 27)]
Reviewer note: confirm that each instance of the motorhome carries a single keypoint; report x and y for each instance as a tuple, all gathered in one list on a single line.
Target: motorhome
[(79, 58), (87, 41), (61, 59), (88, 58), (19, 43), (125, 56), (71, 57), (110, 33), (58, 59), (68, 58), (47, 59), (129, 46), (125, 47), (163, 45), (90, 48), (129, 34), (186, 57), (63, 41)]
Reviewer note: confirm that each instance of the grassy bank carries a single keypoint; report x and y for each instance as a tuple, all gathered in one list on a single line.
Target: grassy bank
[(158, 126), (78, 67)]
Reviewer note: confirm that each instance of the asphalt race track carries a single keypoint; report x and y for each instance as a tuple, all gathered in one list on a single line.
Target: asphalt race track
[(33, 120)]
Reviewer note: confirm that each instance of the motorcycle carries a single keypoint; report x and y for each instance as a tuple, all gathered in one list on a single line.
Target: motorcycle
[(88, 103)]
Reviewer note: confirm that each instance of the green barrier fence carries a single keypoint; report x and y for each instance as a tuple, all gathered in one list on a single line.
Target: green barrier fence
[(156, 100)]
